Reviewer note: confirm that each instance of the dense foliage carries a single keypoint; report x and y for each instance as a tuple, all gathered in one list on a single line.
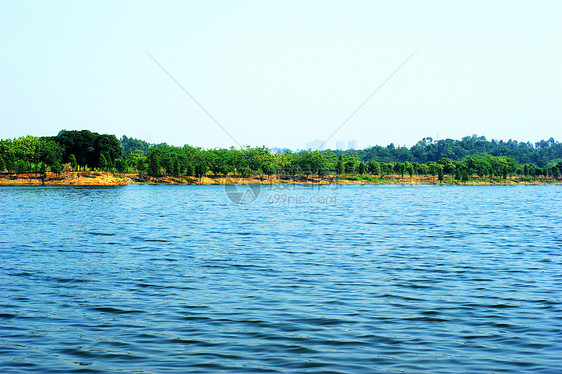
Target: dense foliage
[(130, 144), (427, 150), (77, 148), (471, 156), (460, 160)]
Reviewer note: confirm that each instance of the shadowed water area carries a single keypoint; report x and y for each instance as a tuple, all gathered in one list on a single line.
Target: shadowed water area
[(382, 279)]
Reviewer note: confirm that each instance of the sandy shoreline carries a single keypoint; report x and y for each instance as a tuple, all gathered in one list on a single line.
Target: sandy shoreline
[(99, 178)]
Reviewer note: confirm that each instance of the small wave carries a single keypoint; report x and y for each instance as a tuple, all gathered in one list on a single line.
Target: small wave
[(300, 349), (416, 286), (71, 280), (114, 310), (195, 318), (475, 337), (344, 343), (430, 312), (147, 285), (22, 274), (408, 298), (426, 319), (196, 342), (96, 353), (195, 306), (320, 321), (502, 306)]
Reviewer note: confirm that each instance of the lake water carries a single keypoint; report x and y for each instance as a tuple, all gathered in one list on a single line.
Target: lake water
[(351, 279)]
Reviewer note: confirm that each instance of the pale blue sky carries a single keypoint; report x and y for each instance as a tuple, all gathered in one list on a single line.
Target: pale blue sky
[(282, 73)]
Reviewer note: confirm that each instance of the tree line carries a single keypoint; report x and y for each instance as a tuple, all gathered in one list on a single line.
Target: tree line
[(81, 149), (189, 161), (85, 150), (427, 149)]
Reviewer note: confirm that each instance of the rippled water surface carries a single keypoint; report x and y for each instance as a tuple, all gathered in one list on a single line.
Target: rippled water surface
[(358, 279)]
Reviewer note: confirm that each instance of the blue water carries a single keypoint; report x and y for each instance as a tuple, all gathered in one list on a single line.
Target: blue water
[(354, 279)]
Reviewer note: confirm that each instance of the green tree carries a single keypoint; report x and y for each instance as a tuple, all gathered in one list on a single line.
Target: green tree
[(257, 158), (190, 170), (350, 164), (269, 170), (533, 170), (10, 162), (87, 147), (73, 162), (440, 173), (102, 162), (461, 171), (385, 169), (22, 166), (282, 162), (121, 165), (57, 168), (138, 161), (498, 166), (339, 166), (373, 167), (311, 162), (167, 162), (201, 169), (399, 168), (25, 148), (130, 145), (43, 172), (81, 144), (434, 169), (448, 166), (511, 166), (108, 145), (200, 163), (361, 168), (154, 162), (219, 161), (48, 151), (423, 169), (479, 164), (409, 168), (176, 166)]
